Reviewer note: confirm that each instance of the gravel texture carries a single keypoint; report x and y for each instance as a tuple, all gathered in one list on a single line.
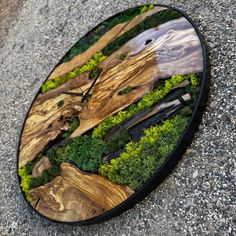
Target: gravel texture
[(199, 196), (8, 16)]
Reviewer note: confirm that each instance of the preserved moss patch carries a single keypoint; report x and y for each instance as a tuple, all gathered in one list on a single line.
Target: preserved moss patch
[(95, 73), (126, 90), (139, 160)]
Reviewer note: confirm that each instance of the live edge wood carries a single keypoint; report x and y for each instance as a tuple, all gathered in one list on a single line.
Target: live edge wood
[(76, 195)]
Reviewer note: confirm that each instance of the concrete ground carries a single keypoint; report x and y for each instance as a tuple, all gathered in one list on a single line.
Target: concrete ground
[(199, 196)]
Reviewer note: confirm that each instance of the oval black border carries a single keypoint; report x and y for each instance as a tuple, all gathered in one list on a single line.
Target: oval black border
[(162, 172)]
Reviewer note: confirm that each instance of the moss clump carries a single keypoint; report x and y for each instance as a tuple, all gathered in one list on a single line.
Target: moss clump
[(186, 111), (140, 160), (26, 179), (74, 124), (194, 80), (60, 103), (47, 176), (194, 88), (116, 142), (126, 90), (146, 8), (147, 101), (143, 9), (85, 152), (123, 56), (151, 6), (94, 74)]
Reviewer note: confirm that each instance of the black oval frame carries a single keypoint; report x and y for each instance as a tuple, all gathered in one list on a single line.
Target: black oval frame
[(170, 162)]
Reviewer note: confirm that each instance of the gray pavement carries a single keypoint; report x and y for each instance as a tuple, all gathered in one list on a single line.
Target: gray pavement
[(199, 196)]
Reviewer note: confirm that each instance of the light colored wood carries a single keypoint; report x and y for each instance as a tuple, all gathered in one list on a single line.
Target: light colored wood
[(109, 36), (44, 124), (79, 81), (42, 165), (76, 195)]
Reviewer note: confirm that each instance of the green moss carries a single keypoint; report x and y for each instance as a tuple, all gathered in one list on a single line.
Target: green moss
[(151, 6), (47, 176), (90, 65), (186, 111), (74, 124), (194, 80), (143, 9), (56, 155), (146, 8), (117, 141), (60, 103), (83, 151), (126, 90), (94, 74), (147, 101), (123, 56), (140, 160), (26, 179), (194, 87), (86, 153)]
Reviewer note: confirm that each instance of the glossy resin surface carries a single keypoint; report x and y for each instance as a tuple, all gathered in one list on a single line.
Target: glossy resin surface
[(114, 116)]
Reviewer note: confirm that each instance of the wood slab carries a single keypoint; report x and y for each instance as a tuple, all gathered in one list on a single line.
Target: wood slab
[(76, 195)]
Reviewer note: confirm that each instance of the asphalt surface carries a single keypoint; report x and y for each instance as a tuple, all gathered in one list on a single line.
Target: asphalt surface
[(9, 10), (199, 196)]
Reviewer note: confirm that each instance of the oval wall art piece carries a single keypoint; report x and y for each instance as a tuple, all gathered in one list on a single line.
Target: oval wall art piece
[(114, 116)]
